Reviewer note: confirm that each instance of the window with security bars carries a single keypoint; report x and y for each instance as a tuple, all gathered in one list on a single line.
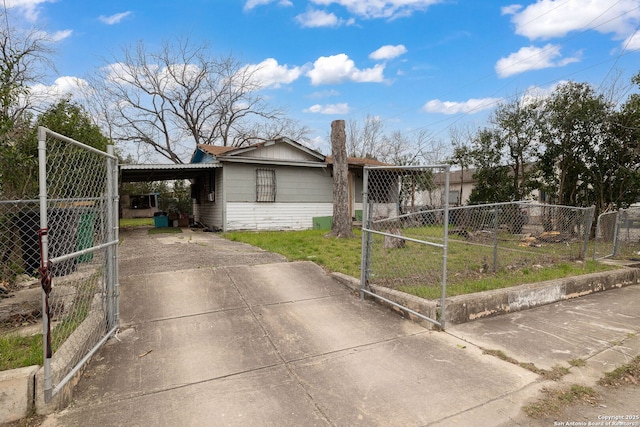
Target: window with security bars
[(265, 185)]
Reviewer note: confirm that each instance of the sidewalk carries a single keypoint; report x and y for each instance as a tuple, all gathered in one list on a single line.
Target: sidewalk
[(221, 333)]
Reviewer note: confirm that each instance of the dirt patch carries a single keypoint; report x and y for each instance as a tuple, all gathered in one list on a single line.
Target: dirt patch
[(606, 403)]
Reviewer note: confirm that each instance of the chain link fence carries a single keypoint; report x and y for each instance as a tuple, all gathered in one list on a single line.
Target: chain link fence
[(516, 236), (20, 256), (618, 235), (414, 242), (59, 256)]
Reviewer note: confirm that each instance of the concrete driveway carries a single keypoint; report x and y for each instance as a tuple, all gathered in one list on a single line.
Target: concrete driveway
[(221, 333)]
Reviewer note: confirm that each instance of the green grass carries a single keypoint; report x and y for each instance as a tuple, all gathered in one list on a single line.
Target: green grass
[(18, 352), (505, 279), (416, 268), (338, 255), (136, 222)]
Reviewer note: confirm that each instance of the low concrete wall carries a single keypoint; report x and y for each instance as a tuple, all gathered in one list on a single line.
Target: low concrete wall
[(417, 304), (17, 389), (465, 308)]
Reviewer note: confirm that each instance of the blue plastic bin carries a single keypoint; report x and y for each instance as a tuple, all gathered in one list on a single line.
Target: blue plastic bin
[(160, 219)]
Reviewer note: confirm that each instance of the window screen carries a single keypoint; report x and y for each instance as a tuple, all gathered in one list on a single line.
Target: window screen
[(265, 185)]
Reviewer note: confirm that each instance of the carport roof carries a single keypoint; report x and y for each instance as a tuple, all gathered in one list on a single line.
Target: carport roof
[(140, 173)]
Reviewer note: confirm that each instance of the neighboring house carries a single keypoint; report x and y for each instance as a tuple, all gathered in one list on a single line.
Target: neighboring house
[(272, 185), (138, 206), (461, 183)]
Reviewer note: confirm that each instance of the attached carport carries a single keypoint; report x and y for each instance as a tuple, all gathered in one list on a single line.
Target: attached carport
[(158, 172), (169, 172)]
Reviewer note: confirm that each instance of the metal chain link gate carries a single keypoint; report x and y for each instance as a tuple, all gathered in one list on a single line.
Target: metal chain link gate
[(405, 231), (77, 232), (618, 234)]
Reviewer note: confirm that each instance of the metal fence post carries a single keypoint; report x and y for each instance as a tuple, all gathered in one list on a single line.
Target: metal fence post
[(495, 238), (44, 258), (445, 245), (110, 255), (116, 238), (366, 223)]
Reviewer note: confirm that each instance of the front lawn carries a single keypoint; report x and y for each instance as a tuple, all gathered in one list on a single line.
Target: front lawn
[(415, 268)]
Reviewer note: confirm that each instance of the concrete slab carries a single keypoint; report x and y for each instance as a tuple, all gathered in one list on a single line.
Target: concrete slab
[(155, 356), (266, 397), (325, 325), (275, 343), (553, 334), (141, 253), (278, 283), (408, 381), (156, 296)]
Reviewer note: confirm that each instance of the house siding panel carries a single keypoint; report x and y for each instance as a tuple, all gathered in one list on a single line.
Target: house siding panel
[(279, 152), (293, 184), (275, 216)]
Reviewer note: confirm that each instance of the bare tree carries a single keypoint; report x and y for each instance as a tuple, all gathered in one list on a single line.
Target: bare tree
[(365, 140), (169, 100), (24, 59)]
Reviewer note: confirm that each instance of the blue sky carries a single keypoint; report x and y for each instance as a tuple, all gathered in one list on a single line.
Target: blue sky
[(416, 64)]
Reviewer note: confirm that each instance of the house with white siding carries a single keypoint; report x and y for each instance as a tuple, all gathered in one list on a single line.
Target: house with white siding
[(273, 185)]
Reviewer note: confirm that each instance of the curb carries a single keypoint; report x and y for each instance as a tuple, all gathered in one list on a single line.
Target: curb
[(466, 308), (21, 390)]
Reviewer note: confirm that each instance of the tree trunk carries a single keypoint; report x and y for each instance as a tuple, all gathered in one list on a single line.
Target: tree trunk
[(341, 218)]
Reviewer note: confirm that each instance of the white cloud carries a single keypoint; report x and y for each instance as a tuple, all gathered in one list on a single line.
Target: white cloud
[(370, 9), (29, 8), (114, 19), (470, 106), (388, 52), (536, 93), (342, 108), (317, 143), (532, 58), (54, 37), (317, 18), (339, 68), (511, 9), (270, 73), (547, 19), (252, 4), (324, 94), (120, 72), (43, 95), (632, 42)]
